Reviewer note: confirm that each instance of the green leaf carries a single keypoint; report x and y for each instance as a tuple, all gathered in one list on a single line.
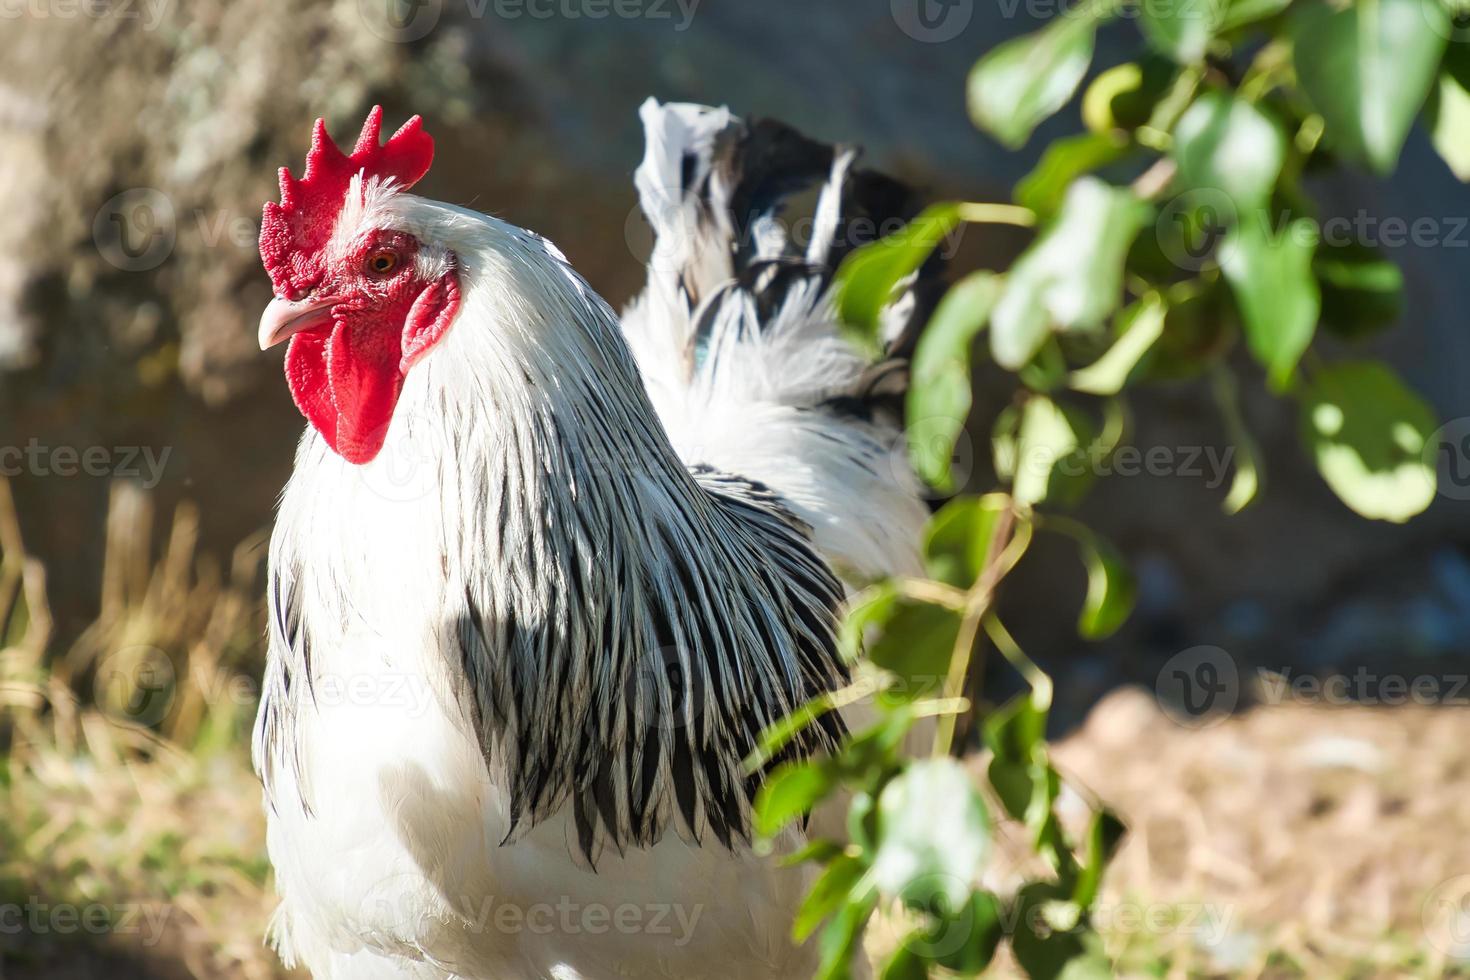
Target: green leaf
[(832, 889), (905, 964), (1124, 97), (872, 607), (1066, 159), (862, 819), (820, 851), (1186, 237), (957, 540), (1368, 67), (1362, 291), (841, 937), (1271, 276), (1181, 29), (1047, 370), (1104, 834), (1044, 950), (982, 927), (866, 280), (1024, 779), (1014, 784), (1071, 277), (1368, 432), (939, 389), (917, 644), (1139, 326), (1457, 55), (1228, 144), (777, 736), (962, 940), (1051, 453), (1023, 81), (791, 791), (933, 833), (1111, 590), (1246, 483), (873, 750), (1239, 13), (1014, 735), (1063, 956), (1097, 101), (1449, 125), (1198, 331)]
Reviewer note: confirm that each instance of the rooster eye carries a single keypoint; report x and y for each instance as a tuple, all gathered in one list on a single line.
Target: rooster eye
[(382, 262)]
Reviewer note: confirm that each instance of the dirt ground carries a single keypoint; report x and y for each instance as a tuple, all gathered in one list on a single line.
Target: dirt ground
[(1299, 839)]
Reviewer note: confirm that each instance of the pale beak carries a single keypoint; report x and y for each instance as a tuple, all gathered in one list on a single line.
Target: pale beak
[(283, 318)]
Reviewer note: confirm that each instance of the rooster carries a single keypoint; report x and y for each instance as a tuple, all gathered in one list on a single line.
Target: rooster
[(541, 577)]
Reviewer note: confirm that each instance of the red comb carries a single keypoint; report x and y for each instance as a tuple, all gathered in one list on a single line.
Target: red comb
[(293, 232)]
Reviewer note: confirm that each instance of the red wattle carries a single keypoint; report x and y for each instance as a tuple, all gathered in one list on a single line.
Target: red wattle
[(306, 376), (365, 385), (346, 390)]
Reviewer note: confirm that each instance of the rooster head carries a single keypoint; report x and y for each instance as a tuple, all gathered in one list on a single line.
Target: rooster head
[(359, 295)]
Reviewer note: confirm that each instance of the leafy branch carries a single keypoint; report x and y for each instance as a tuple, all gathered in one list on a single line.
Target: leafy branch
[(1176, 241)]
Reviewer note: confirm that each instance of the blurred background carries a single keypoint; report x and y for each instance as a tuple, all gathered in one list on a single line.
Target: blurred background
[(1308, 820)]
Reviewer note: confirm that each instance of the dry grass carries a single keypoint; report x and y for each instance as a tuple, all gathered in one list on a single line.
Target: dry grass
[(1284, 842), (131, 838)]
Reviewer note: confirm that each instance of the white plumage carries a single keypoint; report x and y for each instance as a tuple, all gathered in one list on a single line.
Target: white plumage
[(517, 658)]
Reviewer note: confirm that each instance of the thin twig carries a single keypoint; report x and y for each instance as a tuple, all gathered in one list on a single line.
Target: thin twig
[(1155, 180), (997, 214), (978, 603)]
